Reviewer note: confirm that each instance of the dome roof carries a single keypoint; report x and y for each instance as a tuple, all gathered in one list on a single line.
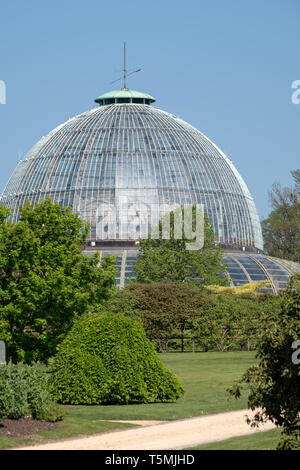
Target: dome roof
[(137, 162)]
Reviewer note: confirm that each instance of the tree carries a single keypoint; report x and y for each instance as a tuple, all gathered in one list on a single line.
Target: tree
[(281, 230), (170, 259), (45, 280), (167, 310), (238, 316), (274, 382), (107, 358), (176, 314)]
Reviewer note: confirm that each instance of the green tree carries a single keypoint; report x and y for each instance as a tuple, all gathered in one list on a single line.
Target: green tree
[(45, 280), (170, 259), (178, 314), (107, 358), (167, 310), (274, 382), (281, 230)]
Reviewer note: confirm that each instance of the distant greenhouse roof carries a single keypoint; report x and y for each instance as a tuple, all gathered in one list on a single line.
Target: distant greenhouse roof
[(242, 267), (124, 96)]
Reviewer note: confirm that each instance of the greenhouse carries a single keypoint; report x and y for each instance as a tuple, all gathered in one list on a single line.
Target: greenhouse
[(126, 163)]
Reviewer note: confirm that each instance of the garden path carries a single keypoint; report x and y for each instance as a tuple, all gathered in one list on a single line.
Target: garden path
[(170, 435)]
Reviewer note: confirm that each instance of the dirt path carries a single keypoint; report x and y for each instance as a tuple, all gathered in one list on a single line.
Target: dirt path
[(165, 435)]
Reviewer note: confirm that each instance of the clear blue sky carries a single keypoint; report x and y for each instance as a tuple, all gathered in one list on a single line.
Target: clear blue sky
[(224, 66)]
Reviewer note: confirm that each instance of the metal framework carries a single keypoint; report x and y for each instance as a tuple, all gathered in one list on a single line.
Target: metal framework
[(242, 268), (138, 157)]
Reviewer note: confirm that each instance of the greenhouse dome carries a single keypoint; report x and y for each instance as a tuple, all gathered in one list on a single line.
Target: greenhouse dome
[(138, 162), (124, 164)]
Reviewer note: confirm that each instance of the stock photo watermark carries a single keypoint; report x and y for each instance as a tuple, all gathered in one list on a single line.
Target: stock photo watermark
[(296, 94), (2, 353), (139, 220), (296, 354), (2, 92)]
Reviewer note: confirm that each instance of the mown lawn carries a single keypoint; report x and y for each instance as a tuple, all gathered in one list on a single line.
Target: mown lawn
[(80, 425), (266, 440), (204, 376)]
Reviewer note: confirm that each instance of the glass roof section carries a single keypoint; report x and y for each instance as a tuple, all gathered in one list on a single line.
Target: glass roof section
[(242, 268)]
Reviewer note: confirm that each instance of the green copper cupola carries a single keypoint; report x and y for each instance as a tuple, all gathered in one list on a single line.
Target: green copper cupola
[(124, 96)]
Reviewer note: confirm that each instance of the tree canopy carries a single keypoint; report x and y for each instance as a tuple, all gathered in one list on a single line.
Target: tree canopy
[(281, 229), (107, 358), (182, 316), (170, 259), (45, 279), (274, 382)]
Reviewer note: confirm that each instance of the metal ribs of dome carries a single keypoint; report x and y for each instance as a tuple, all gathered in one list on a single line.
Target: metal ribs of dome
[(139, 157), (241, 267)]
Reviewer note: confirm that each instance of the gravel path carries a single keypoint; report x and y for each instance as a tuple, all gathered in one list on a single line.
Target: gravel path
[(165, 435)]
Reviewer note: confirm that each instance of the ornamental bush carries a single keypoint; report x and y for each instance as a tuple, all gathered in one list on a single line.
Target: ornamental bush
[(107, 358), (24, 392)]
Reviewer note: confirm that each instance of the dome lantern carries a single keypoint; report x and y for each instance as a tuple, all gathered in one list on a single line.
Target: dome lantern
[(124, 96)]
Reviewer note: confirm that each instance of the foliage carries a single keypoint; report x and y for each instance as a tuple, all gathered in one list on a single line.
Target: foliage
[(107, 358), (234, 321), (275, 382), (207, 320), (249, 288), (200, 374), (166, 309), (281, 230), (163, 259), (24, 392), (45, 280)]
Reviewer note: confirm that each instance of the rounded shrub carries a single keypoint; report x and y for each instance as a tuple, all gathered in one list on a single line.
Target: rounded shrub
[(107, 358)]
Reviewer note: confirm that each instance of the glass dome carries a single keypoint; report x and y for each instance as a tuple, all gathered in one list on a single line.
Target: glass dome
[(135, 161)]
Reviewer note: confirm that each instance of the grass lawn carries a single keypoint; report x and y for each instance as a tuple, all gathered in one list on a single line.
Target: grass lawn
[(204, 376), (71, 426), (267, 440)]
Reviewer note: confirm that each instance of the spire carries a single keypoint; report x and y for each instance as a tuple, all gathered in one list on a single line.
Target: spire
[(125, 71), (125, 95)]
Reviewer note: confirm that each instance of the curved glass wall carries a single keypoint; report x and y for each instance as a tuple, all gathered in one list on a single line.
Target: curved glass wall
[(123, 166), (242, 268)]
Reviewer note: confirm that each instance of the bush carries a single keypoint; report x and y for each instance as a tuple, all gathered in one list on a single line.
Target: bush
[(175, 314), (24, 392), (107, 358)]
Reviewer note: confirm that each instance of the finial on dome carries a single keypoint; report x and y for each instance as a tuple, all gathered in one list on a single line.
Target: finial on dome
[(125, 71), (125, 95)]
